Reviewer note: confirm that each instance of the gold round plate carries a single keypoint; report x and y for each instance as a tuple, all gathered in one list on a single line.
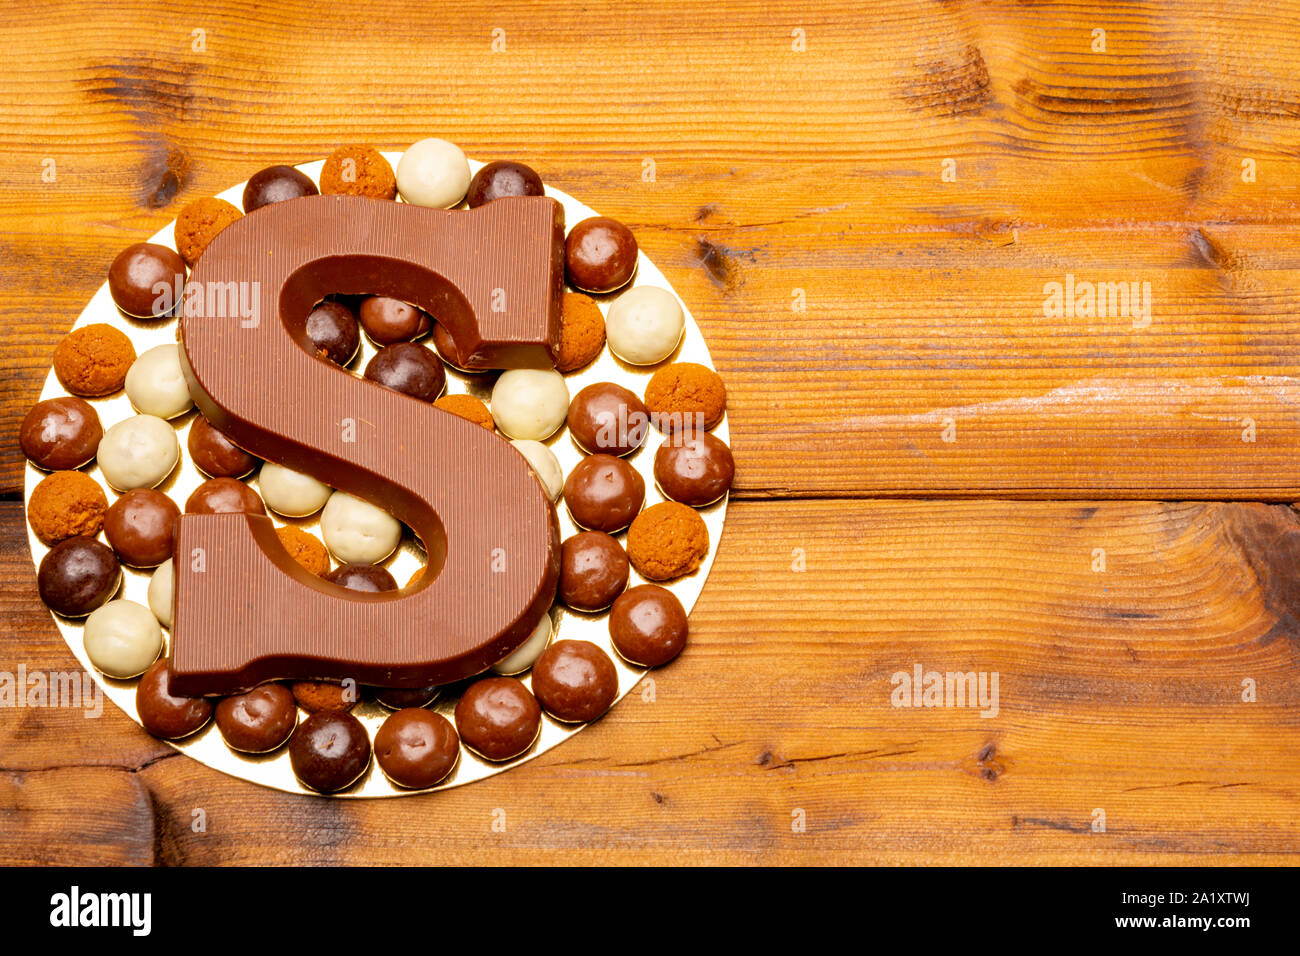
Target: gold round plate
[(274, 770)]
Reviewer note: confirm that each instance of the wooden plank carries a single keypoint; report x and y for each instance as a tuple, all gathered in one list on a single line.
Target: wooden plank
[(1119, 690)]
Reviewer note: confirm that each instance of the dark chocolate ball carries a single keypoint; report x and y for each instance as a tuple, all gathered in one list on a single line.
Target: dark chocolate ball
[(400, 698), (221, 496), (442, 341), (503, 178), (60, 433), (276, 184), (388, 320), (163, 713), (362, 577), (140, 526), (696, 471), (575, 681), (416, 748), (334, 331), (137, 278), (330, 751), (648, 625), (604, 493), (593, 571), (216, 455), (600, 255), (410, 369), (78, 575), (608, 418), (498, 717), (259, 721)]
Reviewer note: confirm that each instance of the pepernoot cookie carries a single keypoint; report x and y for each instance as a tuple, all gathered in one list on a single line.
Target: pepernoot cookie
[(93, 360), (582, 332), (304, 548), (666, 541), (358, 171), (467, 407), (198, 224), (66, 504), (685, 396)]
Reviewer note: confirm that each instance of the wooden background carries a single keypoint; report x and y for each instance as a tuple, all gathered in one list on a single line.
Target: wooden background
[(786, 177)]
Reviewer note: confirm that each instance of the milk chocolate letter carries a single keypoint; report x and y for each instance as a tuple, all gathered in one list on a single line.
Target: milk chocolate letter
[(245, 612)]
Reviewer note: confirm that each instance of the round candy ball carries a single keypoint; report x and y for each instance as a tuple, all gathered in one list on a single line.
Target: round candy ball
[(60, 433), (600, 255), (224, 496), (401, 698), (140, 526), (575, 681), (162, 586), (523, 656), (216, 455), (163, 713), (259, 721), (291, 493), (362, 577), (503, 178), (416, 748), (156, 384), (530, 403), (330, 751), (410, 369), (433, 172), (498, 718), (544, 464), (138, 452), (593, 571), (78, 575), (608, 418), (645, 325), (276, 184), (144, 280), (333, 331), (696, 471), (647, 625), (356, 532), (388, 320), (122, 638), (604, 493)]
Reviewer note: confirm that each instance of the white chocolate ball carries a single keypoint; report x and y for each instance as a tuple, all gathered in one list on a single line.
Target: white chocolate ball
[(122, 638), (644, 325), (530, 403), (291, 493), (156, 385), (527, 653), (138, 452), (356, 532), (162, 583), (433, 172), (544, 464)]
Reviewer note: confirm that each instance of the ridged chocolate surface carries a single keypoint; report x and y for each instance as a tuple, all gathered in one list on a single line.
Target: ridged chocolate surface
[(245, 612)]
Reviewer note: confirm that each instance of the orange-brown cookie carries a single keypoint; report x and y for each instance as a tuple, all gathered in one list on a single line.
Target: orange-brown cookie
[(679, 392), (467, 407), (582, 332), (358, 171), (419, 573), (198, 224), (316, 695), (666, 541), (66, 504), (304, 548), (93, 360)]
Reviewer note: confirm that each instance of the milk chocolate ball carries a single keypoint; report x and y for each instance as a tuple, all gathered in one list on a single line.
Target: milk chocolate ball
[(388, 320), (608, 418), (503, 178), (600, 255), (163, 713), (604, 493), (78, 575), (330, 751), (416, 748), (362, 577), (276, 184), (400, 698), (333, 330), (144, 278), (219, 496), (647, 625), (216, 455), (410, 369), (498, 717), (695, 471), (60, 433), (140, 526), (259, 721), (575, 681), (593, 571)]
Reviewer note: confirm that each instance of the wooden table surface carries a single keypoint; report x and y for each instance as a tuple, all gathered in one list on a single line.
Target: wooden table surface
[(864, 205)]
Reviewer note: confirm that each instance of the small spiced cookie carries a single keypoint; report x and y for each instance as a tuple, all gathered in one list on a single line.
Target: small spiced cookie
[(666, 541), (582, 332), (93, 360), (317, 695), (358, 171), (304, 548), (66, 504), (678, 392), (198, 224), (467, 407)]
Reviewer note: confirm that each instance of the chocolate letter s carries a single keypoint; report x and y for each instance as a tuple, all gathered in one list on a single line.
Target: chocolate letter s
[(253, 614)]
